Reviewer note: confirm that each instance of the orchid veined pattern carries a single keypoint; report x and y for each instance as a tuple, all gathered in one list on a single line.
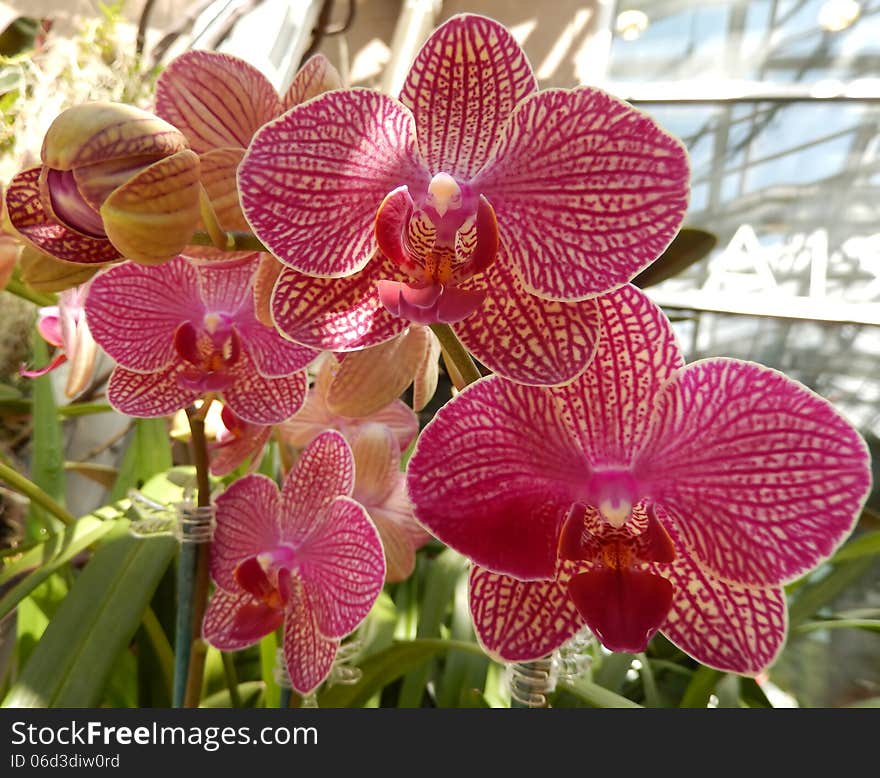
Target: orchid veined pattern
[(646, 495), (473, 199)]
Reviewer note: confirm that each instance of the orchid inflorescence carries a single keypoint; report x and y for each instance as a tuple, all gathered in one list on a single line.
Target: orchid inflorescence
[(595, 480)]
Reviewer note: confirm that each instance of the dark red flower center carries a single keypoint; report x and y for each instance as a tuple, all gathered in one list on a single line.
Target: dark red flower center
[(211, 351)]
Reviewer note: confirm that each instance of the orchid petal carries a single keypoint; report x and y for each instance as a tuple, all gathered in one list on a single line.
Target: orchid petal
[(462, 87), (231, 454), (134, 311), (82, 362), (264, 282), (526, 339), (49, 325), (30, 219), (368, 380), (247, 525), (225, 287), (428, 372), (273, 355), (312, 180), (45, 273), (219, 179), (261, 400), (235, 620), (148, 395), (336, 314), (730, 627), (342, 567), (587, 190), (308, 654), (493, 475), (59, 359), (764, 478), (315, 77), (216, 100), (400, 553), (400, 419), (517, 621), (324, 471), (609, 402), (376, 463)]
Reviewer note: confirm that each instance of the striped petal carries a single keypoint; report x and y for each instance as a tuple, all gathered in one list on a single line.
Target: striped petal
[(610, 403), (308, 654), (260, 400), (36, 225), (216, 100), (527, 339), (235, 619), (314, 78), (219, 179), (336, 314), (147, 395), (226, 286), (587, 191), (730, 627), (493, 475), (763, 478), (312, 180), (376, 464), (515, 620), (342, 566), (369, 380), (133, 311), (462, 87), (247, 446), (323, 472), (427, 375), (247, 524)]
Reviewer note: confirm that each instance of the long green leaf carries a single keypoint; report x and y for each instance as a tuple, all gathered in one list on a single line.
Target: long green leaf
[(701, 687), (596, 696), (866, 544), (446, 569), (53, 555), (148, 453), (378, 670), (47, 465), (817, 592), (97, 619)]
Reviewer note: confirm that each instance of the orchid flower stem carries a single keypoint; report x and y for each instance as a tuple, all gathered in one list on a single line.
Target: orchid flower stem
[(284, 699), (209, 219), (192, 587), (233, 241), (456, 353), (29, 489), (20, 289)]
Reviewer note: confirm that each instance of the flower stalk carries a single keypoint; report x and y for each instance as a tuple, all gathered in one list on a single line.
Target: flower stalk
[(456, 353)]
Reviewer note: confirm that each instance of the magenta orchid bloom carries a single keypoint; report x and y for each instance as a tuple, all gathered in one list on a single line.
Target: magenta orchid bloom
[(575, 191), (218, 102), (645, 495), (307, 560), (380, 486), (64, 326), (318, 413), (237, 442), (183, 331)]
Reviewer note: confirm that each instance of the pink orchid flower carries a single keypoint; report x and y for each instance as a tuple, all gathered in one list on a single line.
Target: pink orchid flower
[(183, 331), (380, 486), (575, 191), (644, 495), (320, 412), (307, 560), (237, 441), (218, 102), (64, 326)]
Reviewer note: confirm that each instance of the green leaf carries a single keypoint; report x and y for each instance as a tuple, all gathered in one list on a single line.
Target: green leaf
[(596, 696), (866, 544), (250, 692), (148, 453), (612, 670), (446, 569), (71, 663), (47, 465), (822, 587), (701, 687), (378, 670), (687, 248), (268, 650), (50, 557), (872, 625)]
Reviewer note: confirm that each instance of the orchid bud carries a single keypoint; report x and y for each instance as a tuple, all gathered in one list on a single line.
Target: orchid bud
[(116, 182), (44, 273)]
